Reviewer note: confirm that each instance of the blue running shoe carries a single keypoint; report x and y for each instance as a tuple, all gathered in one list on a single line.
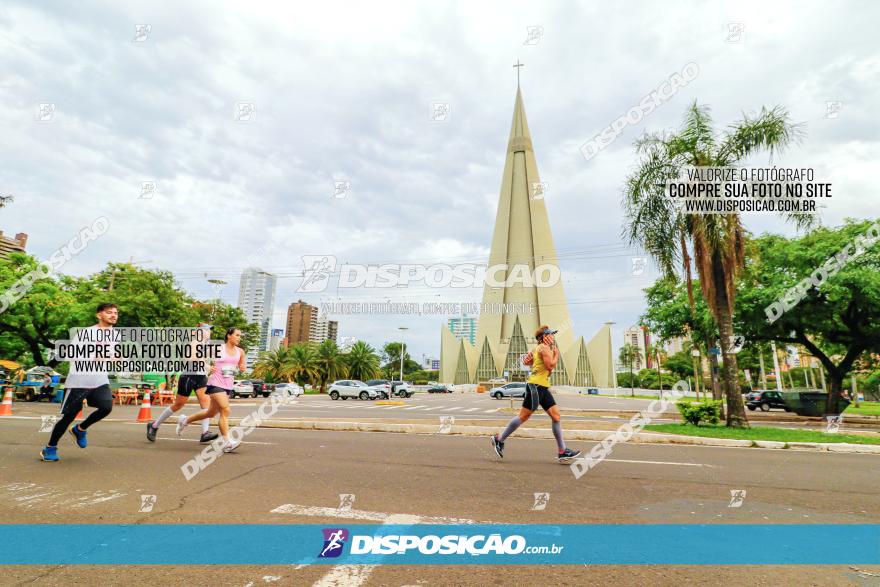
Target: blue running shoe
[(80, 436), (568, 455), (50, 454)]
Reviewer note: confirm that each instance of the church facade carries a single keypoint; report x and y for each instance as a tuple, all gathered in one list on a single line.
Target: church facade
[(524, 275)]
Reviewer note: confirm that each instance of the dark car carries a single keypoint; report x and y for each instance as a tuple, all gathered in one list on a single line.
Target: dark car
[(260, 387), (438, 388), (766, 400)]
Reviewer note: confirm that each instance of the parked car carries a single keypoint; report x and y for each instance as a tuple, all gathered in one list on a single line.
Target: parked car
[(346, 388), (260, 387), (401, 389), (766, 400), (510, 390), (242, 388), (388, 388), (289, 389), (439, 388), (383, 386)]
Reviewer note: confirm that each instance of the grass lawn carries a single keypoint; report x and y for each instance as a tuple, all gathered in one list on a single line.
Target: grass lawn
[(864, 409), (761, 433)]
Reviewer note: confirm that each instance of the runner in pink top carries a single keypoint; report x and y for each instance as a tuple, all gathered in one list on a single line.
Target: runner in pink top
[(220, 384), (223, 374)]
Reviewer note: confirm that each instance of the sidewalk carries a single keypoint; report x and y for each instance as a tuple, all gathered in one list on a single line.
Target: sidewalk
[(478, 428)]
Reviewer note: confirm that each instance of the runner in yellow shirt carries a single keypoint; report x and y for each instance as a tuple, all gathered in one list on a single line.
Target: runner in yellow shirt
[(543, 360)]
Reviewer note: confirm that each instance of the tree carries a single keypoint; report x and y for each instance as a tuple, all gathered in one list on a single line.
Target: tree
[(679, 364), (302, 364), (273, 365), (391, 360), (669, 315), (45, 312), (657, 354), (223, 316), (627, 356), (362, 361), (330, 362), (718, 240), (838, 322)]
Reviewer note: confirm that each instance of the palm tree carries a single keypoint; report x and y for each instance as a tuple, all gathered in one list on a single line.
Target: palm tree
[(654, 351), (362, 361), (302, 364), (628, 354), (330, 363), (718, 240), (273, 364)]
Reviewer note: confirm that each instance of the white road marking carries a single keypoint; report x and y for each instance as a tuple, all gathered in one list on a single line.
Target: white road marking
[(353, 514), (206, 444), (471, 410), (657, 463)]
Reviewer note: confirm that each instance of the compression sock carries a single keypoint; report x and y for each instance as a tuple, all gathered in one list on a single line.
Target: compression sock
[(511, 428), (166, 413), (557, 432)]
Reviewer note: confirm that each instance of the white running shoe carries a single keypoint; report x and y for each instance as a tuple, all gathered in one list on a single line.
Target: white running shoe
[(181, 424), (231, 445)]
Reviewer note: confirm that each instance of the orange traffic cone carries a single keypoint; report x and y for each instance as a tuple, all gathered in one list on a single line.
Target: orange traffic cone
[(145, 414), (6, 406)]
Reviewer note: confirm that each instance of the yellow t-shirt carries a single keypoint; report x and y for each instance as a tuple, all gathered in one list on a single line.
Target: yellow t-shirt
[(540, 373)]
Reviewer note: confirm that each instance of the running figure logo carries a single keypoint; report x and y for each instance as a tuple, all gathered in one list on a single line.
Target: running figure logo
[(147, 503), (316, 272), (47, 423), (833, 423), (541, 500), (334, 540), (737, 497), (346, 500), (446, 424)]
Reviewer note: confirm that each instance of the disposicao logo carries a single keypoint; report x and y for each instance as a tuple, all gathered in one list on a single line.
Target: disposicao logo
[(334, 540)]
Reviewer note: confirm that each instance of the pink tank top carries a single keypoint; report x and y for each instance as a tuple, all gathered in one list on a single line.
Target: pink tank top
[(228, 363)]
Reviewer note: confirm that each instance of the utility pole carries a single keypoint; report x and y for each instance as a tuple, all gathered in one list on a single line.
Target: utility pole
[(776, 366), (761, 362), (402, 349)]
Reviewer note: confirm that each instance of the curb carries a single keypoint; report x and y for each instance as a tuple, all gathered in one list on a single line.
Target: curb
[(543, 433)]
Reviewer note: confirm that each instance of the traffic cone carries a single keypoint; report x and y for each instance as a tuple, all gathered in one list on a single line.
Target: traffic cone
[(145, 415), (6, 406)]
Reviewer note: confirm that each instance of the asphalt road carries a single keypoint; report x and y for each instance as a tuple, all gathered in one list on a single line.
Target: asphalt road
[(424, 406), (288, 476)]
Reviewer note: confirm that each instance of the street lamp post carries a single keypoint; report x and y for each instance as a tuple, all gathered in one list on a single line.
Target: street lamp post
[(402, 349)]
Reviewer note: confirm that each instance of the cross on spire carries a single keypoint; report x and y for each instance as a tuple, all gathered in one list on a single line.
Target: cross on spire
[(517, 65)]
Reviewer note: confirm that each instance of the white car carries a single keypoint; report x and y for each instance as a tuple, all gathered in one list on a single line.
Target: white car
[(240, 388), (289, 389), (346, 388)]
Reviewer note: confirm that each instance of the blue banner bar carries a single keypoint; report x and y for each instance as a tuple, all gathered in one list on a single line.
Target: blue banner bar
[(453, 544)]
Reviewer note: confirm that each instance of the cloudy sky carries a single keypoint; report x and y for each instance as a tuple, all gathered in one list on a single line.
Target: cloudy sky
[(344, 92)]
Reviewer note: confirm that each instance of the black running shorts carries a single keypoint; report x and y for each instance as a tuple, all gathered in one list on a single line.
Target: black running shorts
[(215, 389), (189, 383), (537, 395)]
